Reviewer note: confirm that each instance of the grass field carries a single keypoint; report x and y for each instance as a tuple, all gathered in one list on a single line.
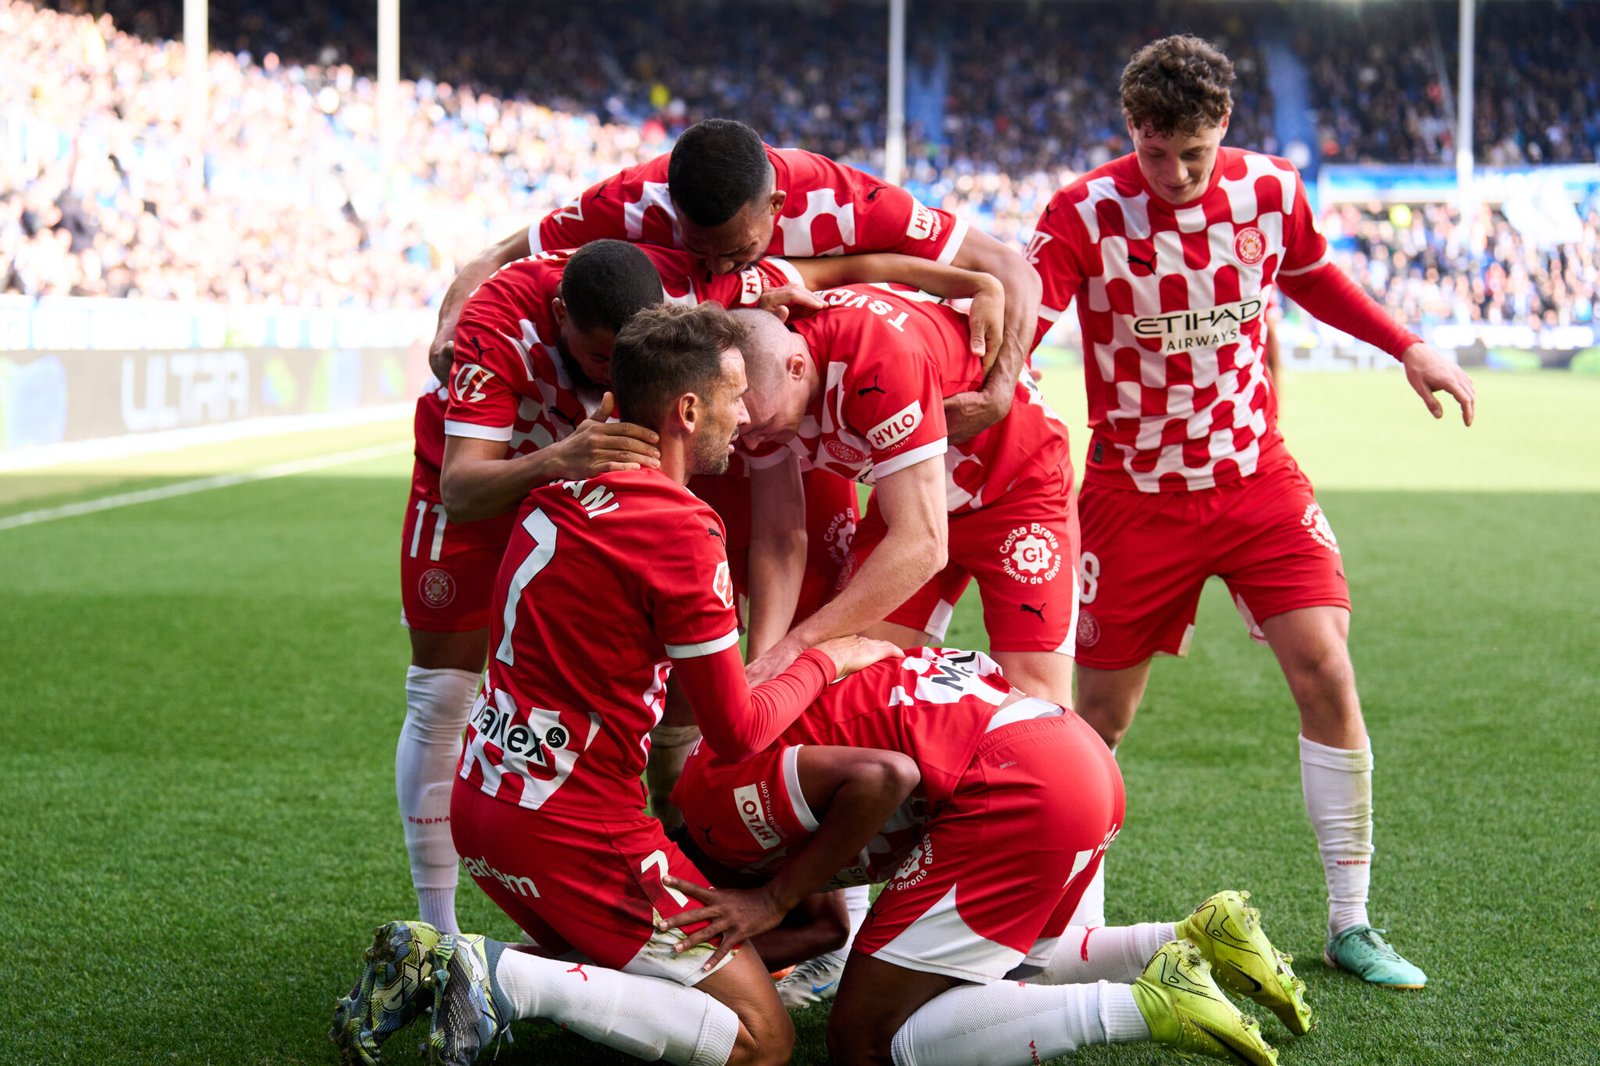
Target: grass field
[(201, 696)]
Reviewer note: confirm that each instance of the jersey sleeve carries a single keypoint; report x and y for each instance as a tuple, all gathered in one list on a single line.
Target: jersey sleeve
[(1305, 249), (744, 289), (891, 397), (893, 220), (1057, 250), (689, 590), (490, 357)]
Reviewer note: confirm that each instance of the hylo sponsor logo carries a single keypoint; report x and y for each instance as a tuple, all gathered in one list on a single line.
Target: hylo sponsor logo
[(897, 427), (751, 802)]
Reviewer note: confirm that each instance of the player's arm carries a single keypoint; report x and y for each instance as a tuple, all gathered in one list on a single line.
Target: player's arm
[(478, 480), (912, 501), (441, 352), (979, 410), (988, 296), (777, 553), (858, 789), (1331, 296), (737, 720)]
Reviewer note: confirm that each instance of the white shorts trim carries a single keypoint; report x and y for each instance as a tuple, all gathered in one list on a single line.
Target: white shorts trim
[(941, 942)]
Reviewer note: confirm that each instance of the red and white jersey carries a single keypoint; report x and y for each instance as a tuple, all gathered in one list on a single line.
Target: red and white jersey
[(887, 358), (510, 383), (1171, 301), (427, 435), (830, 209), (934, 705), (605, 583)]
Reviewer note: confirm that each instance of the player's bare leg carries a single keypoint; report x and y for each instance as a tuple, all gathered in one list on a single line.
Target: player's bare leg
[(1336, 776), (441, 684), (670, 743), (1046, 674), (1108, 699)]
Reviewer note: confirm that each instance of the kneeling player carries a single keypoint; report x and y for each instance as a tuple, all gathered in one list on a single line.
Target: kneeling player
[(1016, 802)]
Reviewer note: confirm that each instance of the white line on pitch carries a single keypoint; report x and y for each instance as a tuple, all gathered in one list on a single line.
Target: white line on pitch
[(204, 484)]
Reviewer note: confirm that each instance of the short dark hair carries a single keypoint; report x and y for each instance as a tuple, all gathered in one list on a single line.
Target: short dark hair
[(605, 283), (664, 352), (717, 167), (1178, 84)]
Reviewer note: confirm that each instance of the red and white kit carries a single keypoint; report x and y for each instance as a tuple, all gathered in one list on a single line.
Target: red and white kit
[(510, 384), (830, 209), (607, 586), (446, 568), (888, 358), (1171, 301), (986, 862)]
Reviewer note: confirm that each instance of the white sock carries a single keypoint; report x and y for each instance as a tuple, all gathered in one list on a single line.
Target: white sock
[(645, 1017), (1338, 788), (1007, 1024), (438, 703), (1107, 953), (857, 901)]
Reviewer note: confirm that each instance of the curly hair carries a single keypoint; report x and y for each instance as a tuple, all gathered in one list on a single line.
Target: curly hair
[(1178, 84)]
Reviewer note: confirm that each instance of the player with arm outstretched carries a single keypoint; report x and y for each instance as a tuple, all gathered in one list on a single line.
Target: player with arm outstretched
[(610, 585), (856, 389), (1014, 802), (1171, 254), (729, 199)]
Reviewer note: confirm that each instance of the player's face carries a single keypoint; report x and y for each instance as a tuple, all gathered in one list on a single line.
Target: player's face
[(725, 418), (1178, 167), (587, 351), (775, 413), (734, 245)]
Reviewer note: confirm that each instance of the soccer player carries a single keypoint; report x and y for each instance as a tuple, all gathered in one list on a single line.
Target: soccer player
[(729, 199), (529, 407), (1015, 802), (856, 389), (610, 584), (1171, 254)]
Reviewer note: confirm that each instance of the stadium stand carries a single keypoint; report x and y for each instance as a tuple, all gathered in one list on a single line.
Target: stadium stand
[(282, 199)]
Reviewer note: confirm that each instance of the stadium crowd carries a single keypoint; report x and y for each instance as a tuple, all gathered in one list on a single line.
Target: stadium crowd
[(281, 196)]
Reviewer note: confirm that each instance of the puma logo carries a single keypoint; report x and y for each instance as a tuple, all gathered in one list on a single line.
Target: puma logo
[(1039, 610), (870, 388)]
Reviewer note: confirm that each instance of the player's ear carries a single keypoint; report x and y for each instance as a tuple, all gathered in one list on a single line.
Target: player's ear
[(688, 411), (776, 201), (794, 365), (558, 311), (1223, 125)]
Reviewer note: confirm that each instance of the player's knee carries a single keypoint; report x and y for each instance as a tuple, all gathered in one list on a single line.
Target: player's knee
[(858, 1045), (1109, 718), (766, 1038)]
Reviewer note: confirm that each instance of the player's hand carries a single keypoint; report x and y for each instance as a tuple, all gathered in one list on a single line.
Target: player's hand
[(853, 653), (986, 319), (772, 662), (601, 447), (1429, 372), (735, 915), (790, 301), (442, 353)]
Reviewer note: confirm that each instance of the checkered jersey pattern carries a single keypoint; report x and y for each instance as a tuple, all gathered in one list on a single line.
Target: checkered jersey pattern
[(1172, 302)]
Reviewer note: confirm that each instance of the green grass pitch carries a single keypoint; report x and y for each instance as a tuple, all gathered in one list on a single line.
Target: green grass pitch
[(201, 697)]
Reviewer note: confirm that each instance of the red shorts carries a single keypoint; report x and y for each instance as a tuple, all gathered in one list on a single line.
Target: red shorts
[(1023, 551), (832, 509), (593, 887), (1004, 862), (447, 569), (1146, 557)]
